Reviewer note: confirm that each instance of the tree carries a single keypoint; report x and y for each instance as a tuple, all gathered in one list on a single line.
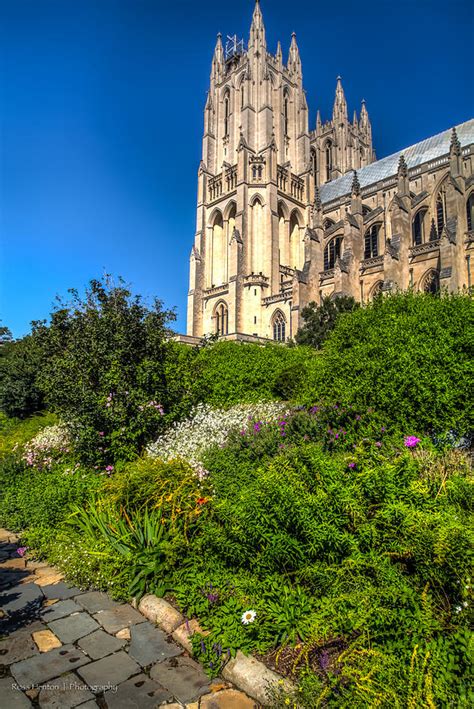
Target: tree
[(104, 369), (19, 365), (320, 320)]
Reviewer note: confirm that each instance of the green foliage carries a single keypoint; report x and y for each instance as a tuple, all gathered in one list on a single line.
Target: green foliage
[(103, 370), (14, 433), (320, 320), (20, 364), (409, 356)]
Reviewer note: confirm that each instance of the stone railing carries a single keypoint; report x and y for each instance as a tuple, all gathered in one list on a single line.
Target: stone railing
[(375, 261), (424, 248), (223, 183), (217, 290), (287, 270), (276, 298), (255, 279), (290, 184), (326, 275)]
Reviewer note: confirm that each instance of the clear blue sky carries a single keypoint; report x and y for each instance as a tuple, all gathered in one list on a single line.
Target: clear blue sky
[(101, 121)]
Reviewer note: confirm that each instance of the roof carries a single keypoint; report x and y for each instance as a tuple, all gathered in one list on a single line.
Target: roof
[(417, 154)]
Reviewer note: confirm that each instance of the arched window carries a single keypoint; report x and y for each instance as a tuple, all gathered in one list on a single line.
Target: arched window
[(314, 165), (430, 282), (418, 228), (439, 214), (328, 223), (295, 241), (221, 315), (286, 111), (332, 252), (279, 327), (470, 212), (242, 93), (219, 252), (226, 113), (371, 242), (376, 290), (328, 154)]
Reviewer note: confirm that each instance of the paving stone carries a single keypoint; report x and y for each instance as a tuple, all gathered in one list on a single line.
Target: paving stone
[(60, 610), (64, 693), (21, 598), (100, 644), (43, 667), (96, 601), (185, 679), (89, 705), (14, 563), (109, 671), (46, 640), (11, 578), (73, 627), (60, 590), (118, 618), (139, 692), (11, 698), (149, 645), (174, 705), (227, 699), (19, 645), (49, 579)]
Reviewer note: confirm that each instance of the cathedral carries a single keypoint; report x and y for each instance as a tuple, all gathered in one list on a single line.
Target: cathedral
[(287, 215)]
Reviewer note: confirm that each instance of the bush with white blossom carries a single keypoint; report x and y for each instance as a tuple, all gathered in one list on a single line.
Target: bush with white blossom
[(47, 447), (207, 427)]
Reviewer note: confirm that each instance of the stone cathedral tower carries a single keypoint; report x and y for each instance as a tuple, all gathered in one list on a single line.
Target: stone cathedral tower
[(261, 249)]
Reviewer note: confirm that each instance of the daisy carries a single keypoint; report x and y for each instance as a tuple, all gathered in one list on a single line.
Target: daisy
[(248, 617)]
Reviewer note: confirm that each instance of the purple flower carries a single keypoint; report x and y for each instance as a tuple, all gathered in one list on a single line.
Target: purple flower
[(101, 433), (257, 426), (358, 417), (324, 660), (411, 441), (21, 551), (336, 436), (203, 647), (383, 429), (378, 444), (352, 466), (212, 597)]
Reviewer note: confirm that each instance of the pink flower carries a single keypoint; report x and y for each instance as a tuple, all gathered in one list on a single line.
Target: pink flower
[(101, 433), (352, 466), (378, 444), (21, 551), (109, 469), (411, 441)]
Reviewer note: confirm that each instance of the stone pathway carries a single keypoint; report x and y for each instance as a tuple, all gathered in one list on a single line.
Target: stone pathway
[(61, 647)]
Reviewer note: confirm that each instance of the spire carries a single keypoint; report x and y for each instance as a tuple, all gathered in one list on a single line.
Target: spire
[(294, 60), (217, 60), (355, 122), (279, 53), (257, 29), (403, 182), (340, 103), (364, 116), (455, 146), (318, 121), (355, 189)]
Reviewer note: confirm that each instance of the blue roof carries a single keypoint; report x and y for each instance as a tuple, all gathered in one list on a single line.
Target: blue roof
[(417, 154)]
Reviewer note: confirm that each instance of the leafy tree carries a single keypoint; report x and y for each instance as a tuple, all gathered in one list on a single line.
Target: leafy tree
[(20, 363), (319, 320), (104, 369)]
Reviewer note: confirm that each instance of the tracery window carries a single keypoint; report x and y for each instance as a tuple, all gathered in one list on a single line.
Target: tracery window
[(470, 212), (439, 214), (332, 252), (285, 112), (328, 153), (279, 327), (222, 319), (418, 228), (430, 282), (226, 114), (314, 165), (371, 242)]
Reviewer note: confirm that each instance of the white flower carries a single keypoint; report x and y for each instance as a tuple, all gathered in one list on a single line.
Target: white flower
[(248, 617), (207, 427), (51, 442)]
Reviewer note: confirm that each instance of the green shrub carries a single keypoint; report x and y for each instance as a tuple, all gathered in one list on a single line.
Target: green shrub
[(14, 433), (320, 320), (409, 356)]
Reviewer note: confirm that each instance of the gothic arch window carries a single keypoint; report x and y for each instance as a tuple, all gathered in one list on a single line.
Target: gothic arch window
[(439, 214), (418, 227), (221, 319), (242, 92), (279, 326), (231, 212), (332, 252), (218, 251), (371, 241), (376, 290), (328, 157), (226, 112), (430, 282), (328, 223), (470, 212), (314, 165), (283, 240), (286, 110), (295, 241)]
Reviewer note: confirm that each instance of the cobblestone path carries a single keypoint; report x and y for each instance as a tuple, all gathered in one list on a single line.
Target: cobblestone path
[(61, 647)]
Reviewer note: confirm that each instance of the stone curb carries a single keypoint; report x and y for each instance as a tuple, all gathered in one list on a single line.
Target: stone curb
[(246, 673)]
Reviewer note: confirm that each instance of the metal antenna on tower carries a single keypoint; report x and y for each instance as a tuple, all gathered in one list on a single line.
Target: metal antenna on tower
[(234, 47)]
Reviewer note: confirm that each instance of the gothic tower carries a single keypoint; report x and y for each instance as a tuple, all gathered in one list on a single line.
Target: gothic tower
[(257, 183)]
